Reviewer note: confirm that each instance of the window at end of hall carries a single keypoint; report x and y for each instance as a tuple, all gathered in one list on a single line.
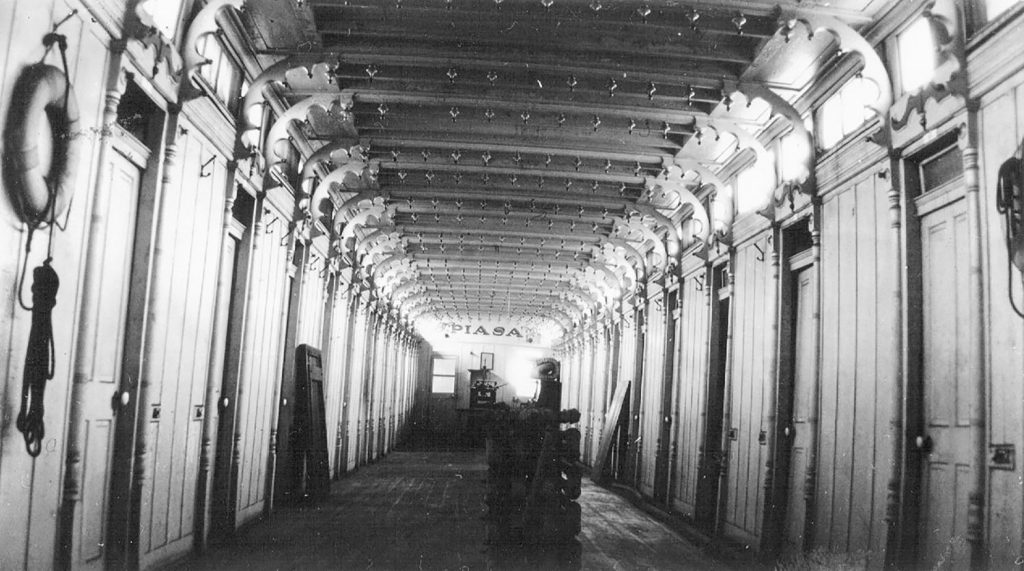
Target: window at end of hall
[(443, 380)]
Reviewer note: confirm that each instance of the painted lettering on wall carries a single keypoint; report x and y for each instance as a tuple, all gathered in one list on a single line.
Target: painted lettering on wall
[(497, 331)]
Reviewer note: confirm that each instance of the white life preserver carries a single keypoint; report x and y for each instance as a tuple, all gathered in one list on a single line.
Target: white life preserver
[(42, 91)]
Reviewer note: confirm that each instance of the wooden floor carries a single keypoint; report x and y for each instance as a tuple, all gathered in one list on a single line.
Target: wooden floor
[(423, 510)]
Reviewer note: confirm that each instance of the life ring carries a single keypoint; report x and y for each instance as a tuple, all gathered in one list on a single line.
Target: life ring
[(42, 91)]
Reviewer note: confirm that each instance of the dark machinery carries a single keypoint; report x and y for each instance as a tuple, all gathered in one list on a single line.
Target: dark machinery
[(482, 391), (534, 471)]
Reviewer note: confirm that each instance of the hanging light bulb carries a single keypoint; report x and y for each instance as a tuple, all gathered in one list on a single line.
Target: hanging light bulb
[(739, 21)]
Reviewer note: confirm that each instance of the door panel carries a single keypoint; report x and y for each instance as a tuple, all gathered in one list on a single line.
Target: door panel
[(102, 386), (441, 417), (651, 413), (946, 345), (182, 327), (804, 377), (709, 470)]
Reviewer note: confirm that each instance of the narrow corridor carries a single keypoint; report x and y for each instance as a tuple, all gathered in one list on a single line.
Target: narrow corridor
[(424, 510)]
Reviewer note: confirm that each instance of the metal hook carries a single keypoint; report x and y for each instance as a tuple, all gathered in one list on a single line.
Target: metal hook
[(202, 167)]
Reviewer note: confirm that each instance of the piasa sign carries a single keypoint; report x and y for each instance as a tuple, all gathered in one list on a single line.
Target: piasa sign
[(479, 329)]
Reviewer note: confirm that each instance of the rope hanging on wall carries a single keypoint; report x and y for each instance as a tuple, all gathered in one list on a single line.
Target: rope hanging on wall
[(42, 92), (1010, 203), (39, 359)]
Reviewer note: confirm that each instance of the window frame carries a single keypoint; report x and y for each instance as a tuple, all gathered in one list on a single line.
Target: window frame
[(900, 53), (434, 376), (740, 200), (838, 102), (225, 70)]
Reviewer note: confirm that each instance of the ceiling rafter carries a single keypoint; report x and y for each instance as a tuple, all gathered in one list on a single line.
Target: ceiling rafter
[(548, 153)]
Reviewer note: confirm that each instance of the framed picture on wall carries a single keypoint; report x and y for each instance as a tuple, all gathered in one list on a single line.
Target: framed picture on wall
[(487, 361)]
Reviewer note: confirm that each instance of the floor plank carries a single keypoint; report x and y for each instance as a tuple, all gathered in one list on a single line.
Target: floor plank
[(423, 510)]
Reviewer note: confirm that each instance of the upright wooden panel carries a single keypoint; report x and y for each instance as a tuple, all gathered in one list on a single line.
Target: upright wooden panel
[(1001, 129), (750, 355), (338, 328), (856, 363), (627, 350), (804, 409), (584, 385), (357, 365), (311, 308), (30, 488), (692, 393), (183, 352), (598, 397), (264, 370), (653, 384)]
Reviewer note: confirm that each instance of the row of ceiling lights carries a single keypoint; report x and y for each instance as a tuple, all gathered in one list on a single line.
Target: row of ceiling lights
[(429, 177), (517, 158), (632, 126), (507, 207), (522, 240), (460, 217), (739, 20), (594, 226), (611, 86), (462, 248)]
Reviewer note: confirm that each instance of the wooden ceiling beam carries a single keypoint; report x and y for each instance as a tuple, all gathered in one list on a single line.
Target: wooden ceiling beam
[(536, 276), (604, 107), (533, 63), (521, 287), (730, 59), (497, 171), (527, 143), (468, 262), (532, 135), (667, 99), (489, 230), (625, 18), (520, 198), (498, 150)]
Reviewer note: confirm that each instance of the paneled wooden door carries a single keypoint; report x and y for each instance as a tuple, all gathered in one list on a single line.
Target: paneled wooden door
[(945, 445), (800, 426), (105, 391), (441, 409)]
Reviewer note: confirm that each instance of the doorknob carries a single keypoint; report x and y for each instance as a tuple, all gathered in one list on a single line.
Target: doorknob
[(923, 443), (120, 399)]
